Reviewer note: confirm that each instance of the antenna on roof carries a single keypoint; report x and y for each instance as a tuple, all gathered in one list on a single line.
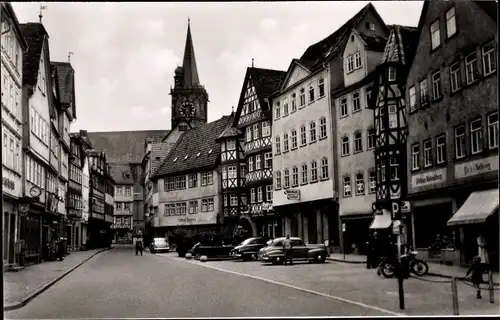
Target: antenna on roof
[(232, 109), (252, 62), (69, 56), (40, 16)]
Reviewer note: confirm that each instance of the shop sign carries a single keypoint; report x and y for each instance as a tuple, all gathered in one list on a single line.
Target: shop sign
[(428, 178), (293, 194), (267, 206), (121, 226), (405, 207), (472, 168), (190, 219), (8, 183)]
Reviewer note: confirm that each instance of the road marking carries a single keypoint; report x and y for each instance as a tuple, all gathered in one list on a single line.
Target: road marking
[(297, 288)]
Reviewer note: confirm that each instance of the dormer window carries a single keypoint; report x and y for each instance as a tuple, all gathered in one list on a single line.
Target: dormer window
[(210, 151), (186, 156), (349, 64), (198, 154), (370, 26), (175, 159), (357, 60), (392, 74)]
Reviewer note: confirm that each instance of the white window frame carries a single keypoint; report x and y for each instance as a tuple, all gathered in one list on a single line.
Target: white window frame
[(476, 136), (314, 171), (360, 184), (277, 144), (286, 146), (489, 61), (345, 149), (415, 156), (451, 22), (371, 138), (231, 172), (350, 63), (424, 92), (392, 74), (455, 77), (269, 193), (471, 68), (321, 87), (277, 111), (304, 173), (344, 109), (460, 142), (428, 161), (252, 195), (294, 102), (441, 149), (435, 34), (268, 160), (294, 139), (358, 142), (285, 107), (286, 177), (394, 167), (492, 130), (278, 180), (322, 128), (347, 186), (266, 129), (259, 194), (303, 135), (256, 131), (312, 132), (436, 85), (250, 164), (258, 162), (295, 176), (356, 102), (324, 169), (357, 60), (372, 180), (302, 97), (312, 96)]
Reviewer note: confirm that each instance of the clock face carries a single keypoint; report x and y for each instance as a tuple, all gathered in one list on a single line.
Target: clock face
[(187, 110)]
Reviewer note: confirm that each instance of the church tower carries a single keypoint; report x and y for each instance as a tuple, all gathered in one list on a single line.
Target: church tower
[(189, 97)]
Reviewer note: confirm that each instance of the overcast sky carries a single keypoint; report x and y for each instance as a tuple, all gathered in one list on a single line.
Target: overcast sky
[(125, 54)]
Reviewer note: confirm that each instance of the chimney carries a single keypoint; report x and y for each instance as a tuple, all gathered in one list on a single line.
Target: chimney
[(83, 133)]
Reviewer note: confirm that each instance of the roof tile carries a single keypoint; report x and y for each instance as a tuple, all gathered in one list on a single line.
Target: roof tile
[(34, 34), (200, 140)]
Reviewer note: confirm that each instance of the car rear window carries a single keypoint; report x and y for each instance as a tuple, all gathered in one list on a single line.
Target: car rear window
[(278, 243), (297, 243), (160, 241)]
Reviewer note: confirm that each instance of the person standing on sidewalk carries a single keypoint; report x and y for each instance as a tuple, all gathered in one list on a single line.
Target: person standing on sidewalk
[(138, 244), (287, 249), (60, 248), (477, 274), (482, 249)]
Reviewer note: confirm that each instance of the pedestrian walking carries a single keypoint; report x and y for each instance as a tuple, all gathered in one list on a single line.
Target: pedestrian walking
[(482, 249), (287, 249), (139, 245), (60, 249), (477, 274)]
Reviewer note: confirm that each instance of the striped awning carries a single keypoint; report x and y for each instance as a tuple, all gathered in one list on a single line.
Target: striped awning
[(477, 208)]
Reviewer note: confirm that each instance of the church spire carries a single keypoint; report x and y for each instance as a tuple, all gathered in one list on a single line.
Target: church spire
[(189, 63)]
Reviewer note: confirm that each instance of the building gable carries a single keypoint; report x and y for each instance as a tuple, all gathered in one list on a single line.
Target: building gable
[(296, 72)]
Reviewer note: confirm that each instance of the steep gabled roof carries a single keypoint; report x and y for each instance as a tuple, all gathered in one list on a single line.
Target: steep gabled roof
[(121, 173), (123, 146), (230, 131), (401, 45), (334, 43), (15, 22), (265, 81), (373, 42), (34, 34), (66, 84), (196, 149)]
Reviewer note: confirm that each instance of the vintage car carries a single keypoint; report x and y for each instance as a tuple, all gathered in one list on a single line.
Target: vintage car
[(249, 248), (300, 251), (159, 245)]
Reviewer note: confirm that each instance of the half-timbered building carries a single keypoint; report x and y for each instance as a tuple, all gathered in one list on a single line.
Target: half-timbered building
[(254, 119)]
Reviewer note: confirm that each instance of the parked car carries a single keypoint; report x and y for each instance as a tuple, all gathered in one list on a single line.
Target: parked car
[(300, 251), (249, 248), (159, 245)]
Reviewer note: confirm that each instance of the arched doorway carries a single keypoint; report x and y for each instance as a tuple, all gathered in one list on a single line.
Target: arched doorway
[(247, 227)]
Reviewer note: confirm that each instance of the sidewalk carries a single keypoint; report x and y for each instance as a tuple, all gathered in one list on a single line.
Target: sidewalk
[(22, 286), (435, 269)]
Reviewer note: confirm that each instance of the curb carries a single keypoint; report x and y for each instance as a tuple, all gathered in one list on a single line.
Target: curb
[(446, 276), (346, 261), (24, 301)]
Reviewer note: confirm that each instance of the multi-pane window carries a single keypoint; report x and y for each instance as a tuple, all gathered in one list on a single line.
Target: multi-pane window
[(258, 162), (193, 180), (373, 181), (415, 156), (451, 24), (294, 102), (471, 71), (304, 173), (259, 194), (266, 129), (303, 135), (428, 153), (455, 76), (441, 149), (277, 111), (360, 184), (394, 167), (345, 145), (278, 180), (311, 94), (278, 145), (476, 136), (356, 105), (285, 107), (206, 178), (128, 191), (231, 144), (255, 131), (321, 87), (350, 63), (436, 85), (493, 130), (231, 172), (312, 131), (295, 176), (435, 37), (358, 144), (250, 164), (424, 96), (294, 139), (324, 168), (357, 60), (371, 138), (302, 97), (207, 204), (347, 186), (269, 193), (268, 160), (233, 200), (285, 142), (314, 171), (460, 147), (193, 207), (322, 128), (368, 98), (287, 178), (248, 134), (343, 107), (489, 60), (392, 74), (252, 195)]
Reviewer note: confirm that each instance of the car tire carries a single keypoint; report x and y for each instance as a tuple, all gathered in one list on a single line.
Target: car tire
[(245, 257)]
